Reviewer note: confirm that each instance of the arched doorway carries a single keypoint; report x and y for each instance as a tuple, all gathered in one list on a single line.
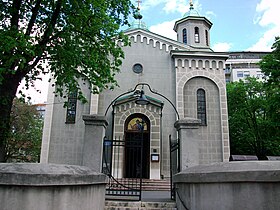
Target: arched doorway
[(137, 140)]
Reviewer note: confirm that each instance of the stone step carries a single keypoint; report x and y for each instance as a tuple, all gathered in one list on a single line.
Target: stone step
[(128, 205), (154, 184)]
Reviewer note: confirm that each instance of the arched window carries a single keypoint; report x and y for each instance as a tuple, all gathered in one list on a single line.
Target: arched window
[(201, 106), (71, 107), (196, 34), (206, 37), (185, 36)]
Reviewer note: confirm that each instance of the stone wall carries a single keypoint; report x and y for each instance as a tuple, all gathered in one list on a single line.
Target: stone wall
[(50, 187), (229, 186)]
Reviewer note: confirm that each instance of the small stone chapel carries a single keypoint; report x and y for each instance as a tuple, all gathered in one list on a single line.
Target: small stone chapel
[(184, 82)]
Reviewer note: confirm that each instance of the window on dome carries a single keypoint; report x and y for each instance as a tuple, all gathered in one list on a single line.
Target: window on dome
[(185, 36), (196, 34)]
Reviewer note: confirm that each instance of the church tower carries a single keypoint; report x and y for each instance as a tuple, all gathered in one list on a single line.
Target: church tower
[(193, 29)]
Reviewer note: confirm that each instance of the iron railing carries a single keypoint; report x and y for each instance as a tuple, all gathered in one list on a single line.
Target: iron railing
[(174, 163), (122, 163)]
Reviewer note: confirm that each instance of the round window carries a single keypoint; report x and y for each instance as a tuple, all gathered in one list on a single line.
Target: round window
[(137, 68)]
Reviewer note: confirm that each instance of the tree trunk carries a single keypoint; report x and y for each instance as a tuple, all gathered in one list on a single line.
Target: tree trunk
[(8, 90)]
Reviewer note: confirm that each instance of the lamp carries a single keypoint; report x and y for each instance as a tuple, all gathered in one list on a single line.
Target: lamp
[(142, 100)]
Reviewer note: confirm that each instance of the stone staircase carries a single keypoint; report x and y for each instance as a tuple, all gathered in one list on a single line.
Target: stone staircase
[(155, 196), (129, 205), (155, 185)]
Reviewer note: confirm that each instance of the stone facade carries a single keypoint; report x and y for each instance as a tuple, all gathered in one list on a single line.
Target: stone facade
[(170, 68)]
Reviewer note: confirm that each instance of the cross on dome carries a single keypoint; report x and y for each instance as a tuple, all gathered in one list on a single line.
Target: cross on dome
[(192, 11), (138, 23), (138, 1), (191, 5)]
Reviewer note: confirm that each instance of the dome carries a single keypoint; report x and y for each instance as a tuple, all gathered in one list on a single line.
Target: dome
[(191, 12), (138, 23)]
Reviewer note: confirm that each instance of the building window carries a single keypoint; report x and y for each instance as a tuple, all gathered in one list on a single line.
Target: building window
[(206, 37), (239, 73), (196, 34), (71, 107), (137, 68), (201, 106), (185, 36), (246, 74)]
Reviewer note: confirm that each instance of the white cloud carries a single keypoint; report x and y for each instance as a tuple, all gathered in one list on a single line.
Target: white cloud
[(267, 16), (171, 6), (269, 10), (266, 41), (165, 29), (222, 47), (176, 6), (151, 3)]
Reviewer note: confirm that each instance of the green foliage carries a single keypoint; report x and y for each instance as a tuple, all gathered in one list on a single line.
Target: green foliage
[(77, 39), (254, 110), (24, 143), (253, 122), (73, 40), (270, 65)]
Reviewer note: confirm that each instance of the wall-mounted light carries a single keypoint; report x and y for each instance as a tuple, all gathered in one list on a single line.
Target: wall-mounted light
[(142, 100)]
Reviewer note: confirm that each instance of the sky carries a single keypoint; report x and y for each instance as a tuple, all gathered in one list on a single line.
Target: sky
[(238, 25)]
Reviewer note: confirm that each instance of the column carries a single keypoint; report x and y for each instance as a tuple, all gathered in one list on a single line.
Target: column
[(95, 126), (188, 133)]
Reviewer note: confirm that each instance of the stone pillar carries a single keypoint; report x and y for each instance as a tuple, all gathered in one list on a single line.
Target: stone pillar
[(188, 133), (95, 126)]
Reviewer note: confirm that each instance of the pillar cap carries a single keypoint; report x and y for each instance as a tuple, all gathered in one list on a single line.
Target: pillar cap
[(239, 171), (94, 119), (187, 123), (39, 174)]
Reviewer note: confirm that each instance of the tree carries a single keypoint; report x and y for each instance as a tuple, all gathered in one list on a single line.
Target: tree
[(76, 38), (270, 66), (24, 142), (254, 128), (254, 110)]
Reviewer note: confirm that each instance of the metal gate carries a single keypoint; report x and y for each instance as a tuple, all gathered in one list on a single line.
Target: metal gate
[(122, 163), (174, 163)]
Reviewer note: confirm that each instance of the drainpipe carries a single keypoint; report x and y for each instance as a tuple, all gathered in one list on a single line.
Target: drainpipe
[(161, 149), (113, 123)]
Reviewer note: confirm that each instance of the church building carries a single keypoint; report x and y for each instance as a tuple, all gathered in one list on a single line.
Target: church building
[(182, 79)]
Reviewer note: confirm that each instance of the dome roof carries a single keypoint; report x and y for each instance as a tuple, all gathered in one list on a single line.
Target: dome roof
[(191, 12), (138, 23)]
